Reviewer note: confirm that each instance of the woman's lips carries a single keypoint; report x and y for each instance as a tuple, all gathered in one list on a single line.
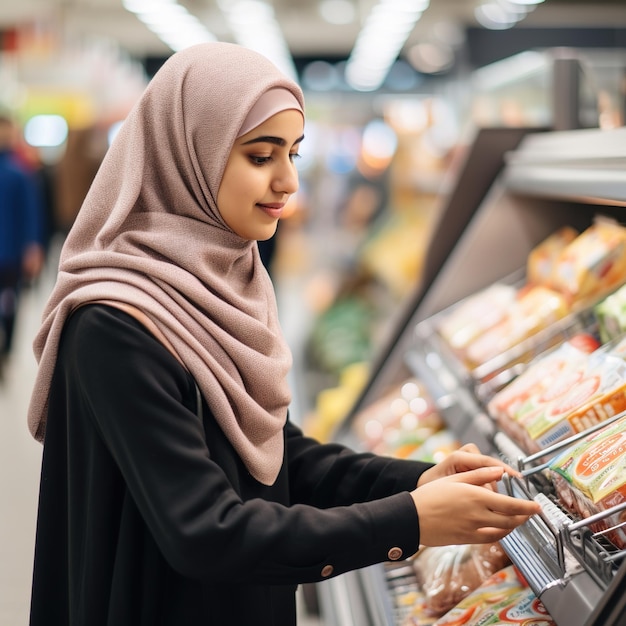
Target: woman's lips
[(273, 209)]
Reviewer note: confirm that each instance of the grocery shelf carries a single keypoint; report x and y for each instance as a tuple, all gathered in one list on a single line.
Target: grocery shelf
[(551, 179), (583, 165)]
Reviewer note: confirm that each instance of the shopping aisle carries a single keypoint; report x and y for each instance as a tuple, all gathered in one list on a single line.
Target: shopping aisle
[(20, 461)]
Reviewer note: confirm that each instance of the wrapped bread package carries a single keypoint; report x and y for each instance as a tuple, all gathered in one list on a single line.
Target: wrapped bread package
[(590, 478), (504, 599), (448, 574)]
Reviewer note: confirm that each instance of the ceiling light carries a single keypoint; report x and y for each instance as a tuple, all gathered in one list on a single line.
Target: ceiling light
[(170, 22), (337, 11), (254, 26), (385, 31), (495, 17)]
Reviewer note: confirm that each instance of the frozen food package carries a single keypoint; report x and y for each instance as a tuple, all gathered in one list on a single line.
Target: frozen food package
[(504, 599), (593, 264), (582, 397), (477, 313), (538, 376), (448, 574), (540, 263), (537, 383), (533, 309), (590, 477)]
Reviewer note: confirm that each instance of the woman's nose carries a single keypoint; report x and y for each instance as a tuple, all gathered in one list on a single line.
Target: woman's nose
[(286, 180)]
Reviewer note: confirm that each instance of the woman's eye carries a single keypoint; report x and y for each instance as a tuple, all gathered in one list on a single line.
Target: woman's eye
[(259, 160), (294, 156)]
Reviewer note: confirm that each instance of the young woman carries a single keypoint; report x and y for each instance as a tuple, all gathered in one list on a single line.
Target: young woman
[(174, 489)]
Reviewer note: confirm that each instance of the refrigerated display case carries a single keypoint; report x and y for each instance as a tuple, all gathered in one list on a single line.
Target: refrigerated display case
[(552, 179)]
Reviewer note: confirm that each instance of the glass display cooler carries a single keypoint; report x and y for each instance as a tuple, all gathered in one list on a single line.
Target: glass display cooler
[(550, 180)]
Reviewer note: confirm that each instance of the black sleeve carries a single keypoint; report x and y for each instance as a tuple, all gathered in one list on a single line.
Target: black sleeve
[(134, 392), (330, 474)]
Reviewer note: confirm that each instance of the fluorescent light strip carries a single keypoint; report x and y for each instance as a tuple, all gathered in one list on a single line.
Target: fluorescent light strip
[(385, 32), (170, 22), (504, 14), (254, 26)]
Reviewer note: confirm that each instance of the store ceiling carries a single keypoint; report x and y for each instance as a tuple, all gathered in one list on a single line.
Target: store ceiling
[(306, 33)]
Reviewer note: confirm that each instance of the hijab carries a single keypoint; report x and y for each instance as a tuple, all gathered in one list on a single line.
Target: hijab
[(149, 237)]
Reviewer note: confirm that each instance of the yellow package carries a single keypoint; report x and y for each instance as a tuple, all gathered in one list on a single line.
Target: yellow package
[(542, 258), (593, 264)]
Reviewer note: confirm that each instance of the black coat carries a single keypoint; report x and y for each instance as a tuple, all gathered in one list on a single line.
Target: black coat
[(148, 517)]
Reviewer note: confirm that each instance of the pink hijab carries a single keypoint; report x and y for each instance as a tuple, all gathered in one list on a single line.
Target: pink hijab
[(149, 236)]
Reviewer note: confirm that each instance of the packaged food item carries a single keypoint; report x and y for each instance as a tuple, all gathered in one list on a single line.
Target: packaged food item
[(611, 315), (594, 392), (538, 376), (400, 421), (533, 309), (590, 477), (476, 314), (593, 264), (541, 260), (504, 599), (448, 574)]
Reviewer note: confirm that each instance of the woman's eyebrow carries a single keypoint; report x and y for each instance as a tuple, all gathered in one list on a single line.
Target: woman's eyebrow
[(278, 141)]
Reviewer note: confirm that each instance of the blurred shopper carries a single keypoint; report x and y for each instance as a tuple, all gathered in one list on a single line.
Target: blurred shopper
[(21, 232), (174, 488)]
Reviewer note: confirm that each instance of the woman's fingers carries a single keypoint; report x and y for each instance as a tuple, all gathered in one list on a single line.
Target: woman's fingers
[(457, 509)]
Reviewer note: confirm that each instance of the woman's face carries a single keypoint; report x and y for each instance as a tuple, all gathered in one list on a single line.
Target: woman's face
[(261, 175)]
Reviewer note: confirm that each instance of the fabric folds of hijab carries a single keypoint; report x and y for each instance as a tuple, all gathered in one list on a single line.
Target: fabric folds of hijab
[(149, 236)]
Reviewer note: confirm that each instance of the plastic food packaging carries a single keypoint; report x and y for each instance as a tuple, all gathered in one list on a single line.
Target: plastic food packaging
[(590, 477), (593, 264), (476, 314), (502, 600), (534, 309), (448, 574), (400, 421), (541, 260), (611, 315)]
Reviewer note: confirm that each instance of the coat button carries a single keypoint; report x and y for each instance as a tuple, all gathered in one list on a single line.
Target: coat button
[(327, 570), (394, 554)]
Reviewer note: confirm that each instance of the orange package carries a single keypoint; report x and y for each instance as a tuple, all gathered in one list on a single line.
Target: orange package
[(593, 264)]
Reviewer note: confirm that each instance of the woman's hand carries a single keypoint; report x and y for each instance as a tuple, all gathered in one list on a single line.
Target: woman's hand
[(465, 459), (457, 508)]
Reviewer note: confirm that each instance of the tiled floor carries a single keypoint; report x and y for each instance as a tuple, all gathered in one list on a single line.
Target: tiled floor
[(20, 460)]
